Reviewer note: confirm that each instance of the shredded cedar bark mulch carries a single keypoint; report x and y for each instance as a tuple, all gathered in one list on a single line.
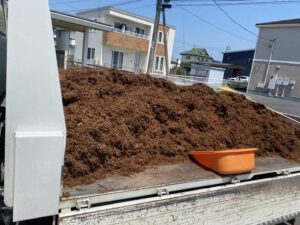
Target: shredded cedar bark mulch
[(119, 123)]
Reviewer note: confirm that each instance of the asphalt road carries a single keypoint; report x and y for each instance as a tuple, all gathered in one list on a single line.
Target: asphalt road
[(278, 104)]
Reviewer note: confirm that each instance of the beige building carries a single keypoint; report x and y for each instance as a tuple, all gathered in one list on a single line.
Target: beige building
[(276, 64), (126, 48)]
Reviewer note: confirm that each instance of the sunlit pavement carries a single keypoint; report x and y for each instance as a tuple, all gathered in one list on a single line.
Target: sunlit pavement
[(278, 104)]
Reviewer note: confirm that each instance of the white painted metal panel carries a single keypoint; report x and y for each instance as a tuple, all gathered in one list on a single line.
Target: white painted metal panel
[(267, 201), (37, 175), (33, 95)]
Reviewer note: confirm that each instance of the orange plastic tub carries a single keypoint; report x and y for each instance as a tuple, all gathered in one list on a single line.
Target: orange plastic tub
[(233, 161)]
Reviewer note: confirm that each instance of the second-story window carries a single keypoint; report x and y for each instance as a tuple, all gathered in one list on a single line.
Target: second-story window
[(188, 57), (139, 30), (160, 37), (120, 26), (91, 53)]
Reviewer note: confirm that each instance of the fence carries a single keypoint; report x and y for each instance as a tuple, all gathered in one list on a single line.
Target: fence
[(190, 80), (177, 79)]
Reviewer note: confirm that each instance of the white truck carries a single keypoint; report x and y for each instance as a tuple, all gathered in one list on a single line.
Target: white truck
[(34, 132)]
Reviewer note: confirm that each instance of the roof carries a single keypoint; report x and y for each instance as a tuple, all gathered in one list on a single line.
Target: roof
[(197, 52), (76, 23), (236, 51), (281, 22), (228, 66), (122, 12), (222, 65)]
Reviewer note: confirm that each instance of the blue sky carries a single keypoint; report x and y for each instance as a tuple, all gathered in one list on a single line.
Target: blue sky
[(193, 32)]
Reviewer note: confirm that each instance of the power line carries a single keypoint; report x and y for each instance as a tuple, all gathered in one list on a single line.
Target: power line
[(142, 6), (183, 33), (215, 26), (79, 1), (220, 49), (238, 3), (113, 5), (68, 2), (233, 20), (236, 22)]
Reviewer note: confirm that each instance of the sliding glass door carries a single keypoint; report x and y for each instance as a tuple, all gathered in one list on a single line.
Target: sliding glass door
[(117, 60)]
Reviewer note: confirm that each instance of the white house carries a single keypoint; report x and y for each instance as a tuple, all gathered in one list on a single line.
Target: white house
[(126, 48), (196, 55)]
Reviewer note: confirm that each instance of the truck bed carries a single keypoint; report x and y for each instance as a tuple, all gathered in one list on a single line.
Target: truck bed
[(173, 178), (187, 194)]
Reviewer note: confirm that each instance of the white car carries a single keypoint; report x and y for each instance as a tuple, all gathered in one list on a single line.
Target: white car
[(241, 79)]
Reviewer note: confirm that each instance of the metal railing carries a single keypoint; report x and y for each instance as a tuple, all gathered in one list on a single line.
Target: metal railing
[(190, 80), (130, 33)]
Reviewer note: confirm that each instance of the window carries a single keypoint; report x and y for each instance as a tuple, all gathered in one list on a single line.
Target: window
[(117, 60), (188, 57), (131, 29), (121, 26), (91, 53), (159, 63), (160, 37), (139, 30), (156, 62)]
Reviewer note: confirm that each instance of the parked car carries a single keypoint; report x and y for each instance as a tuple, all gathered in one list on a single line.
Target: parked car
[(240, 82), (241, 79)]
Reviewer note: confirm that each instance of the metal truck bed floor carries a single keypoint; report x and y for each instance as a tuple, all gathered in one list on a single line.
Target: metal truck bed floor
[(169, 178)]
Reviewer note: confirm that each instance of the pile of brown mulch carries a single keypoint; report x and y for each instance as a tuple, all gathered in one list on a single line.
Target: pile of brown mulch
[(120, 123)]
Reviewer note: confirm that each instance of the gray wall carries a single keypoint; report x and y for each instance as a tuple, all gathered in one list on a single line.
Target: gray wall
[(285, 60), (286, 71), (287, 44)]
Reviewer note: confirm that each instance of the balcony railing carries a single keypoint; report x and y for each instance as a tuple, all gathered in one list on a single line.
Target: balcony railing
[(130, 33)]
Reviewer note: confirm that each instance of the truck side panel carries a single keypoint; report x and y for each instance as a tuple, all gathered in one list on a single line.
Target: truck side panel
[(258, 202)]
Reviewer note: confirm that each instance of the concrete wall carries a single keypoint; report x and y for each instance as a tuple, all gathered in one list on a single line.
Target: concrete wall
[(286, 46), (285, 61), (286, 71)]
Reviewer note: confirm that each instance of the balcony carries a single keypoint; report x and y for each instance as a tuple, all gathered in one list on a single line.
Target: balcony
[(126, 39), (130, 33)]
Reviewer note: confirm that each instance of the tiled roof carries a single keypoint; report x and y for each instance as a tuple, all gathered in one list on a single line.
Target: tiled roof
[(196, 52)]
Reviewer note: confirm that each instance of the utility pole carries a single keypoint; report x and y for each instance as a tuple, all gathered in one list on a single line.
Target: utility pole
[(154, 37), (164, 6), (269, 61)]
